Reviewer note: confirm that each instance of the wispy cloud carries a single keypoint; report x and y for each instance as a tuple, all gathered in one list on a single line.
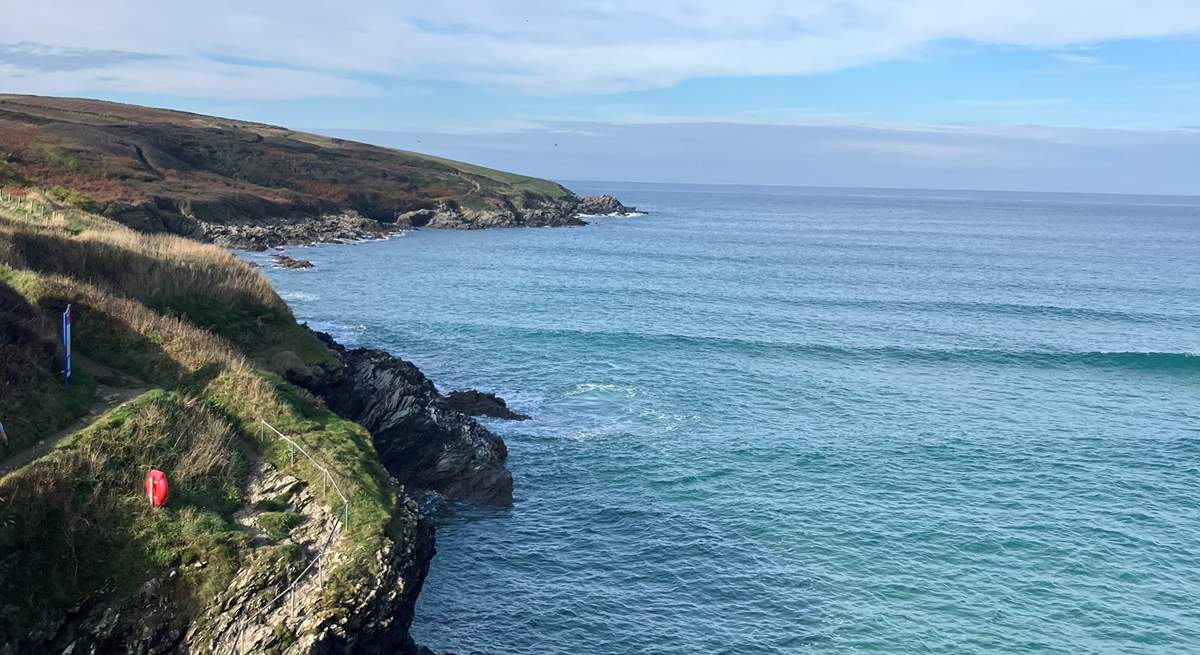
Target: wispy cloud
[(543, 47), (1077, 59), (40, 58), (41, 69)]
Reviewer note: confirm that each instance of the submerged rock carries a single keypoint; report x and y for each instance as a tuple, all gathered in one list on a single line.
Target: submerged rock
[(478, 403), (285, 261)]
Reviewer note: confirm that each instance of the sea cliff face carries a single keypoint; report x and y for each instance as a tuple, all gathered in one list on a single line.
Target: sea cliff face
[(425, 445), (421, 440)]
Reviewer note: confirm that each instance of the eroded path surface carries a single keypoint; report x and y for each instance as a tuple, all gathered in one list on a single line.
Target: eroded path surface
[(112, 388)]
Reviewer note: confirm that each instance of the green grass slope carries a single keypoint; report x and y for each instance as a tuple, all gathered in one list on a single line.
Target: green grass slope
[(202, 329)]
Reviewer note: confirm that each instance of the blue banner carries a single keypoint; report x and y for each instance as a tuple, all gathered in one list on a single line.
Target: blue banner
[(66, 344)]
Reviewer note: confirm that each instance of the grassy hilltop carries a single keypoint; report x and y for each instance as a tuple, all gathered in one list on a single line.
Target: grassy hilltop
[(168, 170), (206, 338)]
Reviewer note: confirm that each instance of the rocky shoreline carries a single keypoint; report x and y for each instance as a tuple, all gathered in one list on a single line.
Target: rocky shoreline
[(349, 226), (429, 443), (430, 449)]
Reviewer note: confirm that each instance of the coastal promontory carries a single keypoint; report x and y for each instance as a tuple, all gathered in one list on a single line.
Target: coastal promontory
[(250, 185)]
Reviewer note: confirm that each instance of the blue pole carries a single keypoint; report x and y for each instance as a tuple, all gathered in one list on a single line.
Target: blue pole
[(66, 344)]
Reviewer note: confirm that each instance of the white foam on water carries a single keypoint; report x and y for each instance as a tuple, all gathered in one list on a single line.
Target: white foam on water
[(345, 334), (613, 215), (596, 387), (299, 296)]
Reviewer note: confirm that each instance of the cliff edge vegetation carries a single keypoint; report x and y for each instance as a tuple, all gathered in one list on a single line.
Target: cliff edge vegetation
[(203, 344)]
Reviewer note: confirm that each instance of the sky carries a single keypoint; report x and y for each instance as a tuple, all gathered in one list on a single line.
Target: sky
[(1068, 95)]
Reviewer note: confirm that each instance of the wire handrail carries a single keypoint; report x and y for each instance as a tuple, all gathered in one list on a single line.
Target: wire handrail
[(327, 477), (327, 481)]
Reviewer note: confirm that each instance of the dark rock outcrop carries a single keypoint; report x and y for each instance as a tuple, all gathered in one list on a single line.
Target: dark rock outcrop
[(285, 261), (450, 216), (479, 403), (603, 205), (345, 227), (422, 442)]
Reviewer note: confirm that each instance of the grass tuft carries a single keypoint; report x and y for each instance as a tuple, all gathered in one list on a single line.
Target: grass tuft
[(277, 525)]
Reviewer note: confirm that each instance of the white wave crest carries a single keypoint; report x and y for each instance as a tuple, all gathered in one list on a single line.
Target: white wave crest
[(596, 387), (299, 296)]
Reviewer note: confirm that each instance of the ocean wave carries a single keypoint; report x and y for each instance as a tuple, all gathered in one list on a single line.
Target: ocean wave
[(1130, 360), (588, 435), (596, 387), (1133, 360), (1148, 360), (299, 296)]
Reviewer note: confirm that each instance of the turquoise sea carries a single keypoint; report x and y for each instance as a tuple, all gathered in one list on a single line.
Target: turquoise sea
[(782, 420)]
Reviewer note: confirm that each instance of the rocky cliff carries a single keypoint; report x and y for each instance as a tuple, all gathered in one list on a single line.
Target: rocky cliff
[(477, 403), (297, 541), (261, 610), (422, 441)]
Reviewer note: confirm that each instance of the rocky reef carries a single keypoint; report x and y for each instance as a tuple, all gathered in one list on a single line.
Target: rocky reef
[(349, 226), (286, 261), (422, 441), (450, 216), (344, 227)]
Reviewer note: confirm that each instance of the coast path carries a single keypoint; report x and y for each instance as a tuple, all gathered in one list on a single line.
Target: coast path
[(113, 388)]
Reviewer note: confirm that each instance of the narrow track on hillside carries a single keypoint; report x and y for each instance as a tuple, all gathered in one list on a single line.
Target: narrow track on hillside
[(113, 388)]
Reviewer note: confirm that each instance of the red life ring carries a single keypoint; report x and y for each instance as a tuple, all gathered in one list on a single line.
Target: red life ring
[(156, 487)]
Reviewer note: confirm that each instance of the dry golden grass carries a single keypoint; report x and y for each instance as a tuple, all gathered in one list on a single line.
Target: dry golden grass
[(183, 267), (160, 349), (200, 282), (37, 235)]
